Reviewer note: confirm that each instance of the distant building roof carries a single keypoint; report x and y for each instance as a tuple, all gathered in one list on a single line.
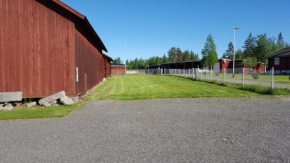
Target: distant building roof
[(180, 62), (115, 64), (282, 53)]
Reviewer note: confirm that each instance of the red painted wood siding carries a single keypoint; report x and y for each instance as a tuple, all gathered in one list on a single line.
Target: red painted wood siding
[(36, 50), (118, 70), (284, 63), (89, 61), (108, 70)]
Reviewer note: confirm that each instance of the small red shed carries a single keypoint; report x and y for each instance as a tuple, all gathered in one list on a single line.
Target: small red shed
[(118, 69)]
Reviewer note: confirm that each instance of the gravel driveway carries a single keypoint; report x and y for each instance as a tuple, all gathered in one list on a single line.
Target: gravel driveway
[(166, 130)]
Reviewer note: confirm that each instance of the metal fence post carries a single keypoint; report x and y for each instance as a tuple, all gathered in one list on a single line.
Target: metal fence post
[(211, 75), (224, 75), (272, 78), (243, 77)]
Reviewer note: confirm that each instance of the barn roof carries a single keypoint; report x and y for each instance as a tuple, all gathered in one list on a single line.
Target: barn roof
[(117, 65), (107, 57), (84, 19), (282, 53)]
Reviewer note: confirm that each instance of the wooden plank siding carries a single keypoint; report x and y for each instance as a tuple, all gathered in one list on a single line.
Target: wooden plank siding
[(89, 61), (36, 50), (284, 63), (108, 68), (42, 42)]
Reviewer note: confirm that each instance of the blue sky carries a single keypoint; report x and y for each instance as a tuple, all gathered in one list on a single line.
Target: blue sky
[(152, 27)]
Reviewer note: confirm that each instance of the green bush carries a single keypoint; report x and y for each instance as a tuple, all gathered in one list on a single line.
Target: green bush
[(204, 73), (233, 76), (289, 77), (217, 74), (255, 75)]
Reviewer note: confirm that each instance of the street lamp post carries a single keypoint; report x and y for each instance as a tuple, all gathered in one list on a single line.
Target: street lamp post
[(234, 57), (125, 55)]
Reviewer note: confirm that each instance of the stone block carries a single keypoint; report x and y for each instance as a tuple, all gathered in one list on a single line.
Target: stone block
[(10, 96), (46, 104), (31, 104), (50, 99), (8, 107), (1, 106), (66, 100), (75, 99)]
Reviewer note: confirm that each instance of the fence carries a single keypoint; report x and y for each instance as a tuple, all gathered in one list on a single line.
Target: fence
[(244, 76)]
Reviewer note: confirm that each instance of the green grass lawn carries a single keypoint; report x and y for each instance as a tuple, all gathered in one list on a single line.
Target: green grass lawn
[(22, 112), (130, 87)]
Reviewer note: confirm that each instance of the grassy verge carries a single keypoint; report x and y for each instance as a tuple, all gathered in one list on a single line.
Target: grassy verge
[(132, 87), (22, 112), (279, 79), (252, 88)]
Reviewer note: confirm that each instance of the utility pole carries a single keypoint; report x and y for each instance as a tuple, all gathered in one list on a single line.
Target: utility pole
[(234, 57)]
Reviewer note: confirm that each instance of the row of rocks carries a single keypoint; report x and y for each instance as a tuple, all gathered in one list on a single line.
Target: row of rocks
[(56, 99)]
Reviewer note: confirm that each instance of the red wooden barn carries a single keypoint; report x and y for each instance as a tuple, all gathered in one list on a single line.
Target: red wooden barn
[(46, 47), (118, 69), (280, 61)]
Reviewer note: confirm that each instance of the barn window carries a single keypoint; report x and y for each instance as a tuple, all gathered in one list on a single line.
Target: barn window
[(277, 61)]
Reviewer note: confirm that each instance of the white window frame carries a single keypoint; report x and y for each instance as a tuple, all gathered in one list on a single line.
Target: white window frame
[(277, 61)]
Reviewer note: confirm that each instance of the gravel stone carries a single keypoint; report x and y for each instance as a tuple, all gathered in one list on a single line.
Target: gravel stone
[(162, 130)]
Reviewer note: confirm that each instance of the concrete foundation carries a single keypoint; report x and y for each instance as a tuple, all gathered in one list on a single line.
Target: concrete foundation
[(10, 96)]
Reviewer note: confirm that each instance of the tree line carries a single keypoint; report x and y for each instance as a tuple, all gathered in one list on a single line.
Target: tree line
[(255, 49), (174, 55)]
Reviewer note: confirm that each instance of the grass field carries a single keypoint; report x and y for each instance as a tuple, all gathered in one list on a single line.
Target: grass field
[(130, 87), (22, 112)]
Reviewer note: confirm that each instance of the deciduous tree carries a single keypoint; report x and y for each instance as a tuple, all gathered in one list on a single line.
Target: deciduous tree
[(209, 53)]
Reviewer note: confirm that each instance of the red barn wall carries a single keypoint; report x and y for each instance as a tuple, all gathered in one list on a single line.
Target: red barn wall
[(90, 63), (36, 50), (108, 68), (118, 70)]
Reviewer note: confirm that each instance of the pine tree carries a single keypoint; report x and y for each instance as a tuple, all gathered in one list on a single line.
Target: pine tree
[(263, 48), (186, 55), (193, 56), (280, 42), (239, 54), (249, 47), (164, 59), (172, 54), (224, 56), (179, 55), (209, 53), (117, 60), (230, 51)]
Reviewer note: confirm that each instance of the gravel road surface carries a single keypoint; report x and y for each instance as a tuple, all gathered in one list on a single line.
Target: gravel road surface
[(163, 130)]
